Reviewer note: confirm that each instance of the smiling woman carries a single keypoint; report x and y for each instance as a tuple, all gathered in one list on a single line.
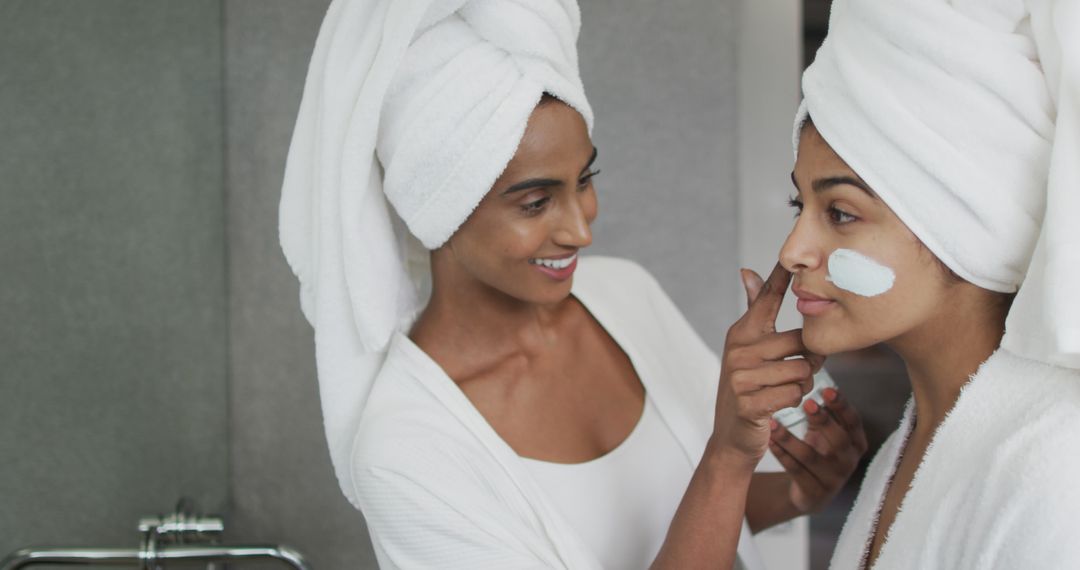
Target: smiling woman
[(577, 377), (541, 409), (524, 236)]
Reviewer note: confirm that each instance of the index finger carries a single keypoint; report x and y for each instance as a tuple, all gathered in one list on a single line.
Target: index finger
[(763, 311)]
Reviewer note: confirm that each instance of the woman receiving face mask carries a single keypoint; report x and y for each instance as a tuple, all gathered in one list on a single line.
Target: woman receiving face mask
[(937, 173), (539, 409)]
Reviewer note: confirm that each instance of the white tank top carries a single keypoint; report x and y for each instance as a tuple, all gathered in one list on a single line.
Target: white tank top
[(622, 503)]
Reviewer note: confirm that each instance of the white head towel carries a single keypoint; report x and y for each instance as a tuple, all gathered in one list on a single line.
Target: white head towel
[(963, 116), (419, 104)]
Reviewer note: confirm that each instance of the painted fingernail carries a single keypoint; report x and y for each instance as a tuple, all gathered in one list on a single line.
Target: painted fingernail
[(831, 395), (774, 425), (811, 407)]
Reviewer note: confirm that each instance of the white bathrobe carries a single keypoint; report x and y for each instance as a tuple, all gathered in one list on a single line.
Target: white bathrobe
[(440, 489), (999, 486)]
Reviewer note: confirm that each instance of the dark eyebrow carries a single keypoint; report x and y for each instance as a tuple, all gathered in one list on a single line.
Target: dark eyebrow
[(545, 182), (532, 183), (592, 159), (823, 184)]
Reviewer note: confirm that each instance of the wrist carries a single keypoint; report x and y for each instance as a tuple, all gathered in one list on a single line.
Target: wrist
[(729, 459)]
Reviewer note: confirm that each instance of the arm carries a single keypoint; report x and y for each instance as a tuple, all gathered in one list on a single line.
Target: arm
[(768, 503), (707, 524), (755, 382)]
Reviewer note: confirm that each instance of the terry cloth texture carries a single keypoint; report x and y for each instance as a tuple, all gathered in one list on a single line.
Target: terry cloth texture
[(418, 105), (997, 488), (440, 489), (964, 117)]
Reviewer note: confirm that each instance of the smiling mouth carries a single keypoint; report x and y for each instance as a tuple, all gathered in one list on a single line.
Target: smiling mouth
[(553, 263)]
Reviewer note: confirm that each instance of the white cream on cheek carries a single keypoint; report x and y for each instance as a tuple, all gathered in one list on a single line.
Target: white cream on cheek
[(857, 273)]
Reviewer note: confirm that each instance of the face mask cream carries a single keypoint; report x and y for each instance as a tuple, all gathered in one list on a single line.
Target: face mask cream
[(854, 272)]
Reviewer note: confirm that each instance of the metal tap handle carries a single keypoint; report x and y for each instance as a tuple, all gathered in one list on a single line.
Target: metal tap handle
[(132, 557), (182, 536)]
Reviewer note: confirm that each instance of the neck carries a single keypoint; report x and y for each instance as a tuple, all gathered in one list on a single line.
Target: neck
[(467, 324), (942, 355)]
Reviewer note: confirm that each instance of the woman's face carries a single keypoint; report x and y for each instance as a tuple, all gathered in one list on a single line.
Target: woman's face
[(860, 275), (524, 236)]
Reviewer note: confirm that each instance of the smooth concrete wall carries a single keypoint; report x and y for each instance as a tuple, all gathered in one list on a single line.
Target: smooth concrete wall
[(282, 486), (661, 78), (112, 269), (768, 92)]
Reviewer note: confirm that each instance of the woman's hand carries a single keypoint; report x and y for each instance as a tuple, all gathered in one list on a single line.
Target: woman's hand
[(824, 459), (756, 380)]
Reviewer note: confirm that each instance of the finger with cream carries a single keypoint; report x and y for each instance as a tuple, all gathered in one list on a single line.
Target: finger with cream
[(857, 273)]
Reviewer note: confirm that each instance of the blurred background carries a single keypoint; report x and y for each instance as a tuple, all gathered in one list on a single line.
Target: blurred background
[(151, 336)]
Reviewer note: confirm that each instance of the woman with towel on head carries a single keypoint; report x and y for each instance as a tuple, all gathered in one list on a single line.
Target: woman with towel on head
[(938, 183), (540, 410)]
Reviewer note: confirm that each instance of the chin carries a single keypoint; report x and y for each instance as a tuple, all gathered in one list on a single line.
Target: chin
[(554, 295), (830, 338), (542, 294)]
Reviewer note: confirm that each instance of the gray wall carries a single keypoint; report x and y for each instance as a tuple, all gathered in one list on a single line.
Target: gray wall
[(283, 487), (661, 80), (112, 295), (660, 77)]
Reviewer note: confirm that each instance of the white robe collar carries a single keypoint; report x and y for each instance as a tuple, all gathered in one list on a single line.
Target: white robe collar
[(981, 462), (676, 409)]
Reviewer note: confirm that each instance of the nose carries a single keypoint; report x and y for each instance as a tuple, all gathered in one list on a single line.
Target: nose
[(802, 250), (573, 226)]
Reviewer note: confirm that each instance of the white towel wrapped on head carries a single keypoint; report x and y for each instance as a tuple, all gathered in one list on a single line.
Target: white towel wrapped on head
[(459, 104), (417, 104), (1044, 322), (962, 116)]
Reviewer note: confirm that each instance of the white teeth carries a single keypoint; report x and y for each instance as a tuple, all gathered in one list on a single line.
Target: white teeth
[(554, 263)]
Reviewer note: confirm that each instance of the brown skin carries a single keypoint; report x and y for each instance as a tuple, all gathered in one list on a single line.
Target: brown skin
[(755, 382), (531, 359), (556, 387), (942, 327)]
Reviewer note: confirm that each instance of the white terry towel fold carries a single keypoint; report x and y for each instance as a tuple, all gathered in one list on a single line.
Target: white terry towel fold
[(987, 495), (1044, 323), (418, 104), (962, 115)]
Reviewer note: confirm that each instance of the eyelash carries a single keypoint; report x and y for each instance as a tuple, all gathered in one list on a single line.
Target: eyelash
[(837, 217), (585, 180), (533, 208), (536, 206)]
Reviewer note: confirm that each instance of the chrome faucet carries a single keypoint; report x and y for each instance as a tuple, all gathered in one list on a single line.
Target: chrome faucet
[(183, 536)]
